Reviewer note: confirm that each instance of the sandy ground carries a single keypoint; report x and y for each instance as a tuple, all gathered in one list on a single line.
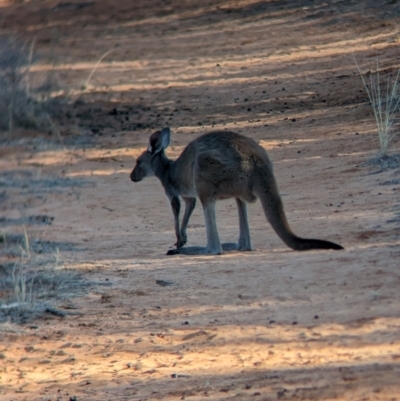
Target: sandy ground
[(265, 325)]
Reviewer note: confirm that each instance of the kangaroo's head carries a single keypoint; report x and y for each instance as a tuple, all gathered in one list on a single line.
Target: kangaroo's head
[(146, 163)]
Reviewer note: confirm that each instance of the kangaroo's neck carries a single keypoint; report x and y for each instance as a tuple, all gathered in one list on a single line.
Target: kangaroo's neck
[(161, 165), (164, 169), (175, 175)]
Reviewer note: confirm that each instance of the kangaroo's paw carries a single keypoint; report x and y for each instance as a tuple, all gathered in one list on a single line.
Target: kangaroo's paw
[(181, 241)]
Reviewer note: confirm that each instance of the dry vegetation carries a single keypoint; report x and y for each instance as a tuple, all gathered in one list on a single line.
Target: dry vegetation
[(385, 103), (22, 105)]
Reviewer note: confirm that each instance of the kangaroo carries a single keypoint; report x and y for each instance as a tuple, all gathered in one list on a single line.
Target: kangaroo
[(219, 165)]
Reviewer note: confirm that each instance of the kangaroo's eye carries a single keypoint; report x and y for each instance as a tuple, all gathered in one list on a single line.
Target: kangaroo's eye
[(138, 162)]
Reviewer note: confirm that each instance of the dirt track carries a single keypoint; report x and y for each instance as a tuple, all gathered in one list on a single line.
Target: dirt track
[(266, 325)]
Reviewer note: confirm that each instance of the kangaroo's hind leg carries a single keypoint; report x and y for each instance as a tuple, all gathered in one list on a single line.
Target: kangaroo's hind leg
[(244, 243)]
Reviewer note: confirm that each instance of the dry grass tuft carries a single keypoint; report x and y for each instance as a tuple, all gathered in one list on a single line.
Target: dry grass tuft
[(20, 105), (31, 284), (385, 102)]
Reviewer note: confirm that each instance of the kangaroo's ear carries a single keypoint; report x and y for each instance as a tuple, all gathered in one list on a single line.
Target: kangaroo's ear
[(159, 141)]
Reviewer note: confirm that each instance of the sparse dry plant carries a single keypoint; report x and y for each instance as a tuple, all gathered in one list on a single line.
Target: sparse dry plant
[(19, 105), (85, 86), (34, 283), (22, 286), (385, 102)]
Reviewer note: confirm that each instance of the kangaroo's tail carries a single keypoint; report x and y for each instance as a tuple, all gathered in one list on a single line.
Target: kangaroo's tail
[(266, 189)]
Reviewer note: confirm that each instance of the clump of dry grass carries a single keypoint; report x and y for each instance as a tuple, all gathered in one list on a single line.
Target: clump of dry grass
[(19, 105), (385, 102), (32, 284)]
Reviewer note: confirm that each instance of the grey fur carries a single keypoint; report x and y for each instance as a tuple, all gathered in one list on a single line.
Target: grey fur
[(219, 165)]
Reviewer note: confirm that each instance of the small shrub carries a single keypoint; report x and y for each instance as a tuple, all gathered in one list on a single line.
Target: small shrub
[(32, 284), (385, 104), (19, 106)]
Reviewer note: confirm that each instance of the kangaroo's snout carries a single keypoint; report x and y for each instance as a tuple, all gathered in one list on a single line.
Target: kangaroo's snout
[(134, 178)]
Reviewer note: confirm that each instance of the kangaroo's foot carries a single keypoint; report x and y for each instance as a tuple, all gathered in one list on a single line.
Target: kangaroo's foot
[(233, 246), (201, 250), (194, 250)]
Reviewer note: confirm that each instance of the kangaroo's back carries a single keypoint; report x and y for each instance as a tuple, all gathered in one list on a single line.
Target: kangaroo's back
[(236, 149), (231, 143)]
